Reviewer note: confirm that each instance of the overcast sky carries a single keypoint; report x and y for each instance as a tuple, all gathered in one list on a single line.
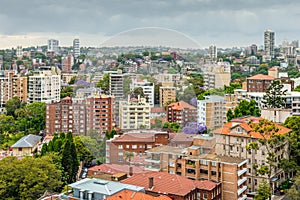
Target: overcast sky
[(189, 23)]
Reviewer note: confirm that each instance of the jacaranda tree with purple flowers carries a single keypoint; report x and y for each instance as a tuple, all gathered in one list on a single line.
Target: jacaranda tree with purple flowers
[(194, 128)]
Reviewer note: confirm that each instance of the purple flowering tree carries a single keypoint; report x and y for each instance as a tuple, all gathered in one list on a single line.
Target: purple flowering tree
[(193, 101), (194, 128)]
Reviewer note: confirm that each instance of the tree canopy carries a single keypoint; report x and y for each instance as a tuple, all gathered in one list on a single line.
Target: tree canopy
[(104, 83), (274, 97), (245, 108), (28, 178)]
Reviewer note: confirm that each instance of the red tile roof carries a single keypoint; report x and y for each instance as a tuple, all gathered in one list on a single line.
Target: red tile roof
[(181, 105), (164, 183), (115, 168), (205, 185), (261, 77), (128, 194), (157, 110), (244, 123), (135, 137)]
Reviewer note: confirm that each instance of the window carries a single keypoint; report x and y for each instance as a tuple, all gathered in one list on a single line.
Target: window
[(20, 148), (120, 153), (134, 146), (203, 162), (230, 147), (255, 181), (213, 173), (213, 163), (120, 147), (127, 146), (203, 171), (204, 196), (120, 160)]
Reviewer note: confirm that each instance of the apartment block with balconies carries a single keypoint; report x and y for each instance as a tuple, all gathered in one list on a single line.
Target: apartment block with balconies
[(181, 112)]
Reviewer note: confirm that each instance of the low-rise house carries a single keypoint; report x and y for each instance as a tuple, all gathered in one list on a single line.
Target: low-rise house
[(27, 145), (98, 189), (175, 187)]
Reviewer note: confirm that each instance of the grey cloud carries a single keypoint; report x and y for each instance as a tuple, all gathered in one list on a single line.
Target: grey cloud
[(209, 19)]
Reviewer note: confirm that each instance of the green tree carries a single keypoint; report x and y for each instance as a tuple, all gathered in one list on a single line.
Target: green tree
[(157, 123), (229, 115), (92, 145), (294, 192), (263, 192), (138, 91), (173, 126), (245, 108), (274, 97), (270, 142), (66, 92), (126, 85), (12, 105), (69, 161), (82, 151), (29, 177), (104, 83), (128, 155)]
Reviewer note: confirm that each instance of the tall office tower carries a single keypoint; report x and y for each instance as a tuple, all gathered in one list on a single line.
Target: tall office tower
[(53, 45), (19, 52), (295, 43), (213, 52), (76, 48), (269, 40)]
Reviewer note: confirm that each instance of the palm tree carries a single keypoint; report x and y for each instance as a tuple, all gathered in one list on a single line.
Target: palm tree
[(128, 155)]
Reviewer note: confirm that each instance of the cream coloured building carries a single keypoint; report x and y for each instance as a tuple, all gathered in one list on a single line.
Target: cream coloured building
[(167, 93), (134, 114)]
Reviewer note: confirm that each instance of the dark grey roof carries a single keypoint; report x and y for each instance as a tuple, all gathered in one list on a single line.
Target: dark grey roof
[(27, 141)]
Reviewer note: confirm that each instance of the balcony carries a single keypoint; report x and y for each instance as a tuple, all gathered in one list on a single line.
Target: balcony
[(242, 171), (155, 168), (241, 190), (244, 197), (152, 159), (241, 181)]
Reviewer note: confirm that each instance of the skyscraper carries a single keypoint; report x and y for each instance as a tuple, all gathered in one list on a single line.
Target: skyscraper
[(269, 41), (76, 48)]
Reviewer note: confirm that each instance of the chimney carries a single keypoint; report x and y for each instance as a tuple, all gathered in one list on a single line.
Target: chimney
[(151, 182), (130, 171)]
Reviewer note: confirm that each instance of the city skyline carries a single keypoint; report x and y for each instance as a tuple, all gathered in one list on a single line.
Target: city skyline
[(201, 22)]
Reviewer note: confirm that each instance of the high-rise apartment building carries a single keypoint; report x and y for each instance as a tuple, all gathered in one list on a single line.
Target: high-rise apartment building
[(67, 63), (134, 114), (253, 49), (233, 139), (217, 75), (81, 115), (269, 42), (167, 93), (19, 52), (116, 84), (148, 89), (213, 53), (53, 45), (12, 85), (212, 111), (181, 112), (76, 48), (43, 86), (259, 83)]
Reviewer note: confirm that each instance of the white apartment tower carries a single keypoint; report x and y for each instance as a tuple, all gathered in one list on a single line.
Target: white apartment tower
[(53, 45), (44, 87), (148, 89), (269, 42), (213, 53), (19, 52), (76, 48)]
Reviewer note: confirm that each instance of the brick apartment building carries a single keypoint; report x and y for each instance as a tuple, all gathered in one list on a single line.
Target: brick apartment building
[(181, 112), (80, 115), (198, 162), (176, 187), (167, 93), (232, 140), (137, 141), (259, 83), (12, 85)]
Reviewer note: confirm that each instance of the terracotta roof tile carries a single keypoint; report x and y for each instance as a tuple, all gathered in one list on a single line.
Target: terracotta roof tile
[(157, 110), (128, 195), (243, 122), (164, 183), (181, 105), (115, 168), (261, 77), (136, 137)]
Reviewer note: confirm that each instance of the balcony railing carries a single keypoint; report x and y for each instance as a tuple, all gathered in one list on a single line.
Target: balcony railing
[(244, 197), (241, 181), (242, 171), (241, 190)]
